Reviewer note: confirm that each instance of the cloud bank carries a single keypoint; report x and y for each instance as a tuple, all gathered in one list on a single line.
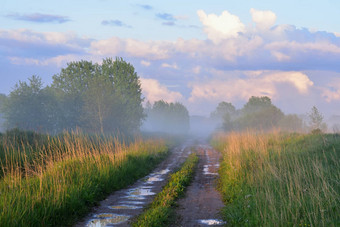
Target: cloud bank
[(234, 62)]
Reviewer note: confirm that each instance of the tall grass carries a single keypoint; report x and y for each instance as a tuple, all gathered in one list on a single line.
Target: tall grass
[(55, 181), (280, 179)]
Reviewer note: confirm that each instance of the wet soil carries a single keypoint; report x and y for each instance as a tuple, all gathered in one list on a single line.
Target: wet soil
[(119, 208), (202, 203)]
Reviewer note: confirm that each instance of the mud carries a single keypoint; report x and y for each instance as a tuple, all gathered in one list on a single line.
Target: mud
[(119, 208), (202, 203)]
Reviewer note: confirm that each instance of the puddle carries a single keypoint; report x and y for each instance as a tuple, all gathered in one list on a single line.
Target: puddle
[(133, 202), (133, 197), (206, 170), (125, 207), (140, 192), (152, 179), (212, 222), (164, 171), (107, 219)]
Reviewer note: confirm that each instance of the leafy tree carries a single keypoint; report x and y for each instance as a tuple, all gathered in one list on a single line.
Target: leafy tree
[(316, 121), (71, 84), (29, 106), (168, 117), (222, 109), (127, 91), (224, 114), (100, 98), (259, 113), (291, 123)]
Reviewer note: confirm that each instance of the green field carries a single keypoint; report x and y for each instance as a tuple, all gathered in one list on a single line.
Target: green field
[(280, 179)]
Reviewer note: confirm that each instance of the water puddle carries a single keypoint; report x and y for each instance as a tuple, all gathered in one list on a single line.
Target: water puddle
[(107, 219), (133, 197), (142, 191), (153, 179), (162, 172), (125, 207), (212, 222), (133, 202), (206, 170)]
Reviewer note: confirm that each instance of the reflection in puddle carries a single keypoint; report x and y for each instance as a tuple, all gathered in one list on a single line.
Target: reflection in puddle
[(107, 219), (133, 197), (211, 222), (206, 170), (164, 171), (152, 179), (133, 202), (125, 207), (140, 192)]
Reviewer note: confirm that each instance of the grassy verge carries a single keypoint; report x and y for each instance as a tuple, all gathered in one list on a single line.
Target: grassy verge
[(159, 212), (279, 179), (70, 174)]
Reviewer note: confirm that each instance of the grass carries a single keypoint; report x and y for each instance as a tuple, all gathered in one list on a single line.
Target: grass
[(54, 181), (161, 209), (280, 179)]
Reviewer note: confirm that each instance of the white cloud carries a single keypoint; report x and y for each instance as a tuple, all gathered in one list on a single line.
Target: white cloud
[(220, 27), (153, 50), (145, 63), (331, 92), (173, 66), (154, 91), (264, 19), (59, 60), (265, 84)]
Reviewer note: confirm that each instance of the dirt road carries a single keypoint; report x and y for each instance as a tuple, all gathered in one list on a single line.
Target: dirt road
[(199, 207), (202, 203), (120, 207)]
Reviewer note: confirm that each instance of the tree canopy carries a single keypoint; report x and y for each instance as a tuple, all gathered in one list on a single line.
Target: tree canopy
[(167, 117), (99, 98)]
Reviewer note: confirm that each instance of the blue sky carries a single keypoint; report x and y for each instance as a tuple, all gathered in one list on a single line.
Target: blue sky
[(195, 52)]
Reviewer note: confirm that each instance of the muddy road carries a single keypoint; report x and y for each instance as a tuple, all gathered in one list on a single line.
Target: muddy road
[(199, 207), (202, 203)]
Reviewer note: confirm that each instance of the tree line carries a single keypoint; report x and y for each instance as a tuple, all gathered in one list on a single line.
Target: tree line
[(98, 98), (259, 113)]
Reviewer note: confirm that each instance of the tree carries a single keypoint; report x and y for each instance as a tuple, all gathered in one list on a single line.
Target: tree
[(29, 106), (291, 123), (71, 84), (223, 115), (100, 98), (127, 91), (315, 121), (222, 109), (259, 113), (168, 117)]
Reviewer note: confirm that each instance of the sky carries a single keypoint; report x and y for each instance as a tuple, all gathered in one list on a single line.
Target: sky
[(198, 52)]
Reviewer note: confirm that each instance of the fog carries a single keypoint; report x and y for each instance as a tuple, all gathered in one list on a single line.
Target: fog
[(107, 98)]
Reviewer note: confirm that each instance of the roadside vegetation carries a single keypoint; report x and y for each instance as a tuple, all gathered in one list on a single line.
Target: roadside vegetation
[(161, 209), (52, 181), (277, 179)]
